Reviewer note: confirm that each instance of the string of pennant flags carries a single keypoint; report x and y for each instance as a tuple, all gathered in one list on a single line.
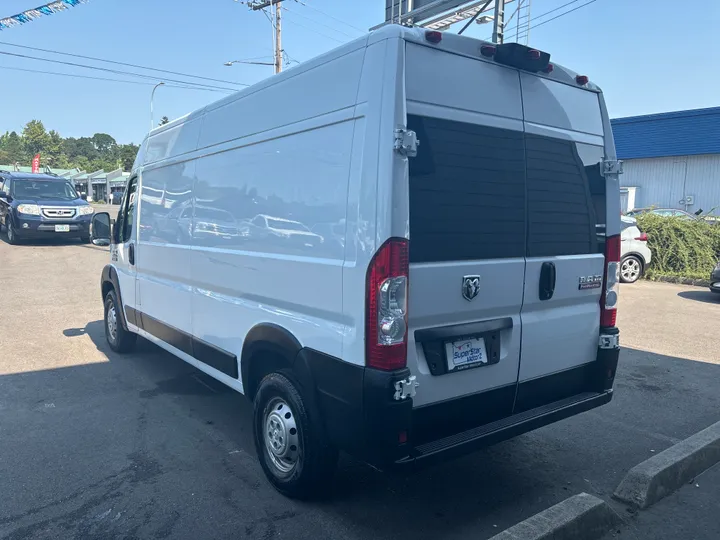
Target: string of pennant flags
[(31, 14)]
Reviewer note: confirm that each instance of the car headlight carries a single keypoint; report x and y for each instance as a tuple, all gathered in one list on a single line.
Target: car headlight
[(30, 209), (85, 210)]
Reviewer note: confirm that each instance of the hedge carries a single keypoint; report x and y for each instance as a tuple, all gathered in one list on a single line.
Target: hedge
[(680, 247)]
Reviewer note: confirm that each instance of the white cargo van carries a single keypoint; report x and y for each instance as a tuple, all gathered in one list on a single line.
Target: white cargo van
[(404, 249)]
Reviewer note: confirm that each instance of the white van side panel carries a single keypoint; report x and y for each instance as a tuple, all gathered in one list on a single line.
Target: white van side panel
[(313, 92), (288, 276), (173, 140), (162, 258)]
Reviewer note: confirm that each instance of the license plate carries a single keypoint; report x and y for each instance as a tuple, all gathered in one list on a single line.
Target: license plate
[(62, 228), (466, 353)]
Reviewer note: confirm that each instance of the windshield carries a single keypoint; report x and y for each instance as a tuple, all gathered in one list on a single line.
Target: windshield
[(43, 189)]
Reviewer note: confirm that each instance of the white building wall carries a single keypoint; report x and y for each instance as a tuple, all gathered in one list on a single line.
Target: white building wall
[(667, 182)]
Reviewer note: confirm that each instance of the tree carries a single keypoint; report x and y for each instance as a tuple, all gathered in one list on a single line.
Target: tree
[(35, 138), (104, 143), (12, 148), (164, 120), (128, 152)]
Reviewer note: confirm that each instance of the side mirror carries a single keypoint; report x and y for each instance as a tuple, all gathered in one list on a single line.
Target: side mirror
[(100, 229), (83, 196)]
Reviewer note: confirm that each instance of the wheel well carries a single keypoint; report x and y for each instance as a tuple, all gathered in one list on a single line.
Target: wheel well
[(107, 286), (267, 348), (636, 256)]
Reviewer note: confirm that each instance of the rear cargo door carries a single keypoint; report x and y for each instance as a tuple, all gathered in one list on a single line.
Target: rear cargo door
[(467, 238), (566, 210)]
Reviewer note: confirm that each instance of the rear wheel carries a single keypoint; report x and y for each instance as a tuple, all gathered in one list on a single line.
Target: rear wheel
[(293, 452), (119, 339), (631, 269)]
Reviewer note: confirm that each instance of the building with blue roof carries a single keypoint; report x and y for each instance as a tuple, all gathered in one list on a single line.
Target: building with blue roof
[(671, 160)]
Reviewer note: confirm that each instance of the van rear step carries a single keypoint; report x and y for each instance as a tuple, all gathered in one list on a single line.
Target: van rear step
[(506, 428)]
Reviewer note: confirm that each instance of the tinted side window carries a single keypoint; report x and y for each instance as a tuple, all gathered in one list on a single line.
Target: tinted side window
[(566, 198), (127, 213), (467, 192)]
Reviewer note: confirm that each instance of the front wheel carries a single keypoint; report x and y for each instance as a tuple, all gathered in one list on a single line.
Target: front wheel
[(119, 339), (12, 237), (293, 452), (631, 269), (84, 239)]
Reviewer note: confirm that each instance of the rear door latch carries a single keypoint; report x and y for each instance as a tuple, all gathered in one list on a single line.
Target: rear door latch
[(406, 142), (612, 166)]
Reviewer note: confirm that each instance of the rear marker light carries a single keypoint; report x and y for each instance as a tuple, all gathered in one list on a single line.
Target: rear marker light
[(643, 237), (611, 280), (488, 50), (386, 309), (433, 36), (533, 54), (582, 80), (549, 68)]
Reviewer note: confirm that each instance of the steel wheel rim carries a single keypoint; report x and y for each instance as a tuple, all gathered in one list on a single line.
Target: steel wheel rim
[(281, 437), (630, 269), (112, 323)]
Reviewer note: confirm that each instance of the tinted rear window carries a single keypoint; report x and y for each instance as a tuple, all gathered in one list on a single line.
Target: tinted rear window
[(467, 192), (478, 192)]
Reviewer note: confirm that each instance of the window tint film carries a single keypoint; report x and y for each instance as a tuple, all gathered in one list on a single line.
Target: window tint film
[(467, 192), (565, 196)]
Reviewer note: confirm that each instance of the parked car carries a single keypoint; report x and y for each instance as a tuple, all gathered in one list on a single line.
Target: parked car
[(715, 279), (665, 212), (635, 255), (34, 206), (459, 310)]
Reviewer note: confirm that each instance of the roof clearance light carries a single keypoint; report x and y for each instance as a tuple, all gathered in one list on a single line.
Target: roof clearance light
[(533, 54), (549, 68), (433, 36), (582, 80), (488, 50)]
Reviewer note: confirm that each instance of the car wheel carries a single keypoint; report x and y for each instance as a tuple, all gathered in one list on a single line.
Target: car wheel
[(293, 452), (11, 234), (119, 339), (85, 239), (631, 269)]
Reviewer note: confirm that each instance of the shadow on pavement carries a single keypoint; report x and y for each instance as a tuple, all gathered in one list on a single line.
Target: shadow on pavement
[(708, 297), (161, 450)]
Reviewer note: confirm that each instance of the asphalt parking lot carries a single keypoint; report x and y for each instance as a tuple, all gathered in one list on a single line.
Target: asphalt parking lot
[(96, 445)]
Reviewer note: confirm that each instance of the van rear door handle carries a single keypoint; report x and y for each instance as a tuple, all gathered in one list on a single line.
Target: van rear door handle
[(547, 281)]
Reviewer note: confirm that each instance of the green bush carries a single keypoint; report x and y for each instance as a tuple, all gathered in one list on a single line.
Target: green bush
[(680, 247)]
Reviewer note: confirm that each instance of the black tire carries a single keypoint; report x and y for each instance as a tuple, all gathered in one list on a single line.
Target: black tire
[(315, 459), (119, 339), (85, 239), (11, 234), (631, 269)]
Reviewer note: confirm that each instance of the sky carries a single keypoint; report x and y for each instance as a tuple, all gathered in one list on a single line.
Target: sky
[(644, 55)]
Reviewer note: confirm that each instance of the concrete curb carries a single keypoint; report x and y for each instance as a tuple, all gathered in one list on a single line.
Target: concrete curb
[(581, 517), (665, 472)]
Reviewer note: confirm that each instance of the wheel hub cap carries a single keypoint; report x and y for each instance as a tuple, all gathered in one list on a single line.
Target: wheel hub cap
[(281, 436), (630, 269), (112, 322)]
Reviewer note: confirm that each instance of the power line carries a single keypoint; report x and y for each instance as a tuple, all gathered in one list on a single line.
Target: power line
[(328, 15), (107, 79), (319, 23), (317, 32), (120, 63), (117, 72), (563, 14)]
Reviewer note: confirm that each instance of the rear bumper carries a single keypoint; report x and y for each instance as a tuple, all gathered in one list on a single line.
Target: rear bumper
[(361, 416)]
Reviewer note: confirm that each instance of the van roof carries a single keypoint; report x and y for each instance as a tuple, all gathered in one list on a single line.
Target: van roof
[(453, 43)]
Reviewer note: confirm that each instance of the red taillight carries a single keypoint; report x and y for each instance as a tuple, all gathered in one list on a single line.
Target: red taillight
[(582, 80), (534, 54), (488, 50), (549, 68), (433, 36), (642, 237), (386, 309), (611, 279)]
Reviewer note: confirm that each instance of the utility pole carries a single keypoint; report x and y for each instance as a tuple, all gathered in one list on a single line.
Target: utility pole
[(258, 5), (499, 22)]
